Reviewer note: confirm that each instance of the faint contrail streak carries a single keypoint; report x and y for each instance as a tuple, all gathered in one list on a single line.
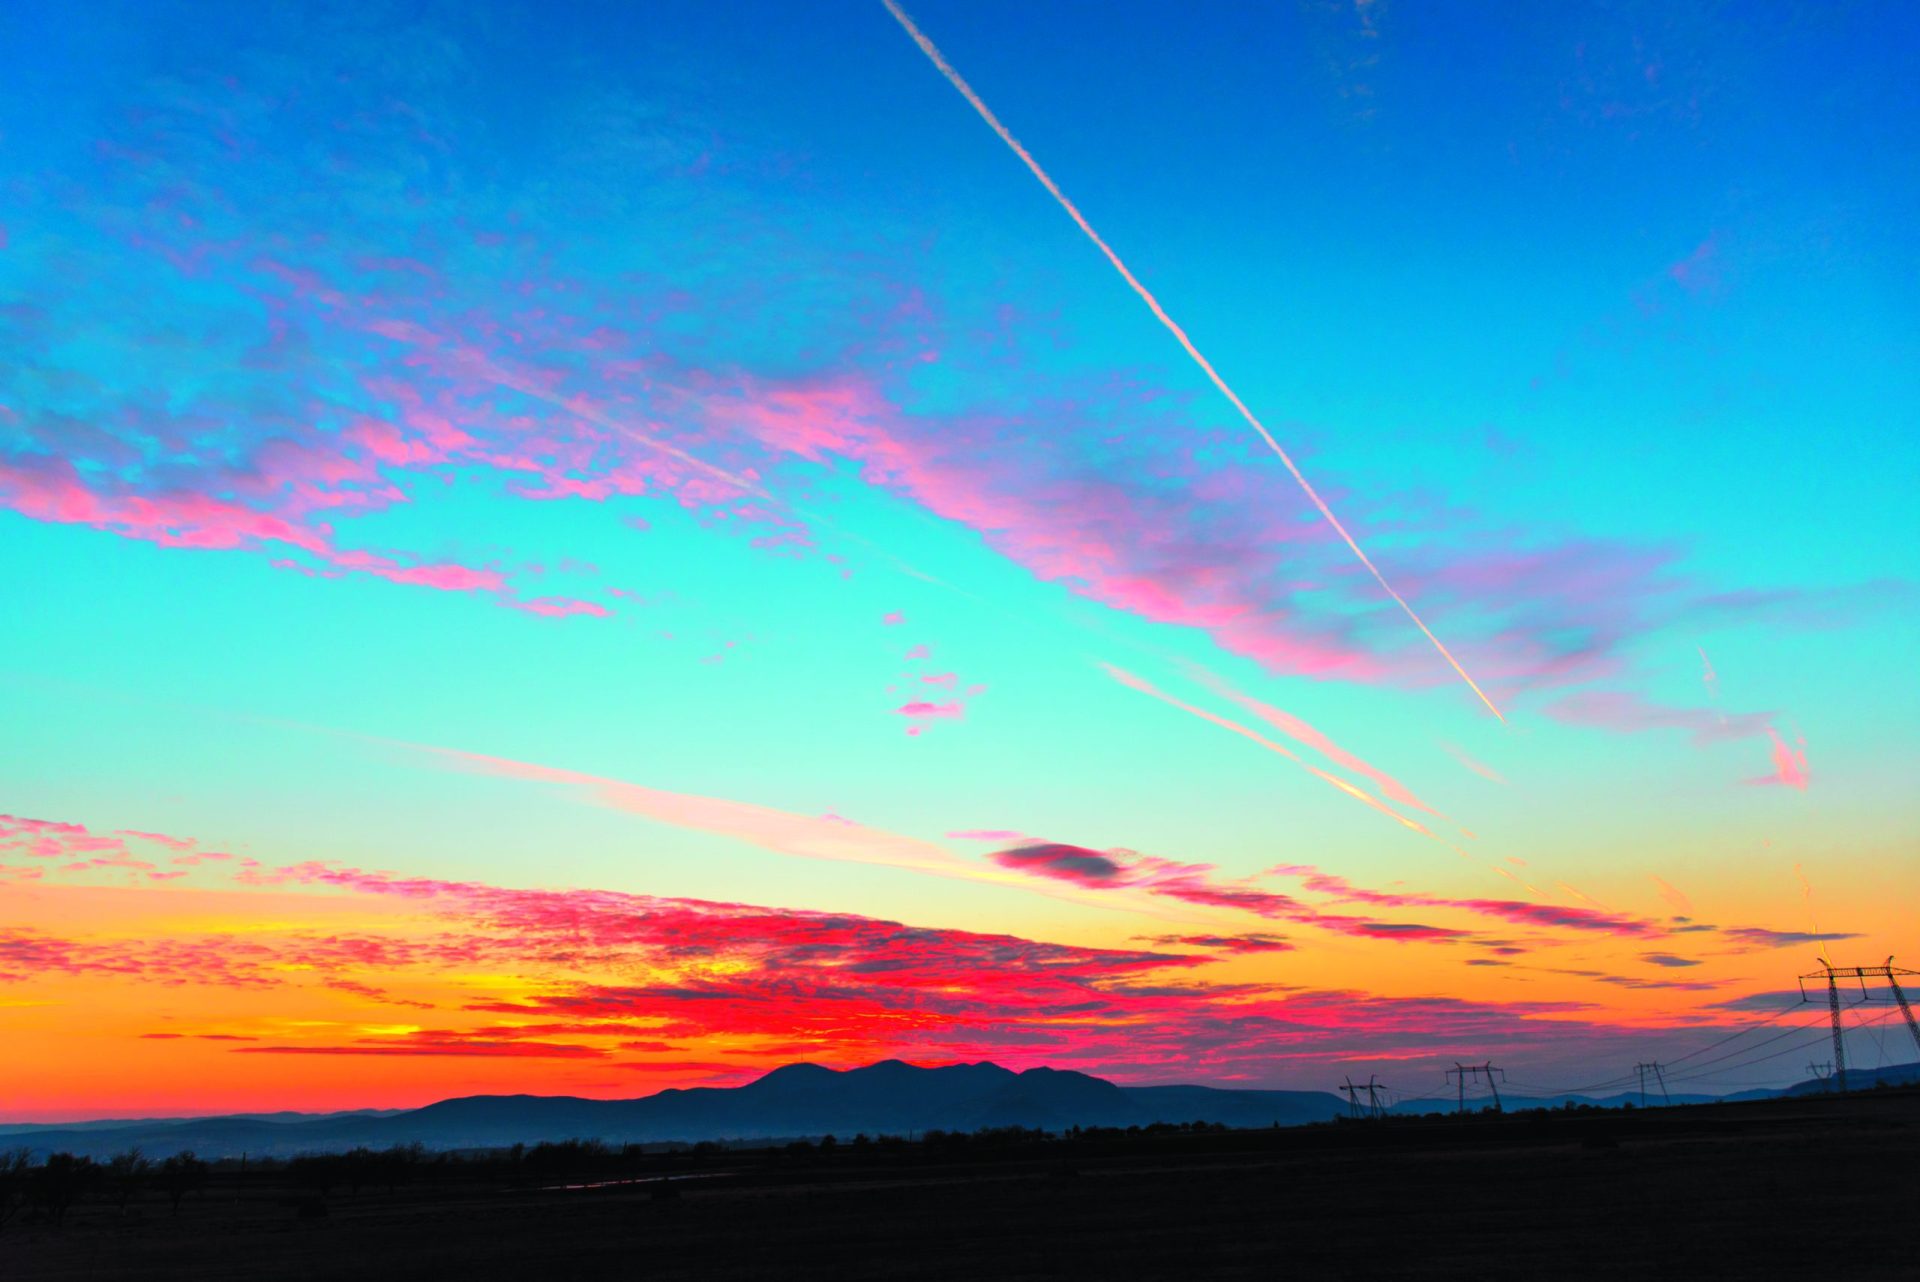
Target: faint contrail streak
[(1806, 889), (1146, 687), (1711, 680), (1206, 367)]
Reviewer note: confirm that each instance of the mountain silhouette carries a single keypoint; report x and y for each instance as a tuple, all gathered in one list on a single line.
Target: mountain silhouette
[(796, 1100)]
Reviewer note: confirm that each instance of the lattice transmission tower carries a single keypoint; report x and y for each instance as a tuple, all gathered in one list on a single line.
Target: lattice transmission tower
[(1370, 1088), (1494, 1076), (1833, 975), (1641, 1071)]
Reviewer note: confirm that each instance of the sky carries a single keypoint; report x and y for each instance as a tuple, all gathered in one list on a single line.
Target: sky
[(587, 552)]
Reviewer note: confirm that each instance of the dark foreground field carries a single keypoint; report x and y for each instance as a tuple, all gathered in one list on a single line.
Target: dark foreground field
[(1775, 1189)]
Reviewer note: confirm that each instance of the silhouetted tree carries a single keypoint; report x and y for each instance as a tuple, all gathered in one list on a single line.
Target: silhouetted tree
[(14, 1167), (181, 1174), (355, 1165), (315, 1172), (398, 1165), (126, 1172), (56, 1184)]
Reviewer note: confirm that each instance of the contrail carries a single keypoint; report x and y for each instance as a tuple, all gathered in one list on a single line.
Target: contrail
[(1206, 367), (1711, 680), (1806, 889), (1146, 687)]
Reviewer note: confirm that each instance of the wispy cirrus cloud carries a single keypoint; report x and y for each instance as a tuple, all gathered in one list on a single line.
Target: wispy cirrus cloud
[(1478, 767), (1198, 885), (1518, 912), (808, 836), (250, 355), (1762, 937), (1624, 712)]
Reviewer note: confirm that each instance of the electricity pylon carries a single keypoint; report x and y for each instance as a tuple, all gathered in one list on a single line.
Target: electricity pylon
[(1371, 1088), (1460, 1072), (1641, 1070), (1820, 1071), (1833, 975)]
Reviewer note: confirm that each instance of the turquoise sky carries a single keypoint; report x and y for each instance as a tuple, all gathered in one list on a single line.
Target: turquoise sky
[(632, 395)]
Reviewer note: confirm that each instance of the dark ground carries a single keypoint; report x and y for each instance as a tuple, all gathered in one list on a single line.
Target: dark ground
[(1774, 1189)]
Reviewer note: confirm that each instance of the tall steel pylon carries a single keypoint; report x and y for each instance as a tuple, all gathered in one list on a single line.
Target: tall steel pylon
[(1641, 1071), (1833, 975), (1461, 1072), (1371, 1088)]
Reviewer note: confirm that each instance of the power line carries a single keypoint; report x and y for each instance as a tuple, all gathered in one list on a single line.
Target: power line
[(1730, 1036), (1788, 1050), (1626, 1079)]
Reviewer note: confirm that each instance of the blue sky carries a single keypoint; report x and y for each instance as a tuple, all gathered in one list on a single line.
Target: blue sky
[(593, 394)]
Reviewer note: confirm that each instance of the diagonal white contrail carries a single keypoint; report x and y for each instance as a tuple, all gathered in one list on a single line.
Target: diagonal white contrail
[(966, 91)]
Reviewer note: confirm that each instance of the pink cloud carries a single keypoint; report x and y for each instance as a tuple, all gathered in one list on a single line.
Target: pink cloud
[(175, 843), (1789, 763), (559, 607), (620, 973), (920, 710), (357, 365), (893, 618)]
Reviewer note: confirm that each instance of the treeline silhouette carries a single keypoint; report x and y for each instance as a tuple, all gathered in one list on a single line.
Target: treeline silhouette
[(52, 1188), (44, 1192)]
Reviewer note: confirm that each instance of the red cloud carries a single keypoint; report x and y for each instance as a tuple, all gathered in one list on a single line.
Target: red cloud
[(1254, 943), (832, 986)]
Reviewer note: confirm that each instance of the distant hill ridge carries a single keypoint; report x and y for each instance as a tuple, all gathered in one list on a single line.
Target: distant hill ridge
[(890, 1097), (796, 1100)]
